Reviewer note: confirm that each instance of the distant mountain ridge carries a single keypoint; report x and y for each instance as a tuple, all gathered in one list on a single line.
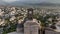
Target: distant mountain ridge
[(33, 4), (18, 3), (43, 4)]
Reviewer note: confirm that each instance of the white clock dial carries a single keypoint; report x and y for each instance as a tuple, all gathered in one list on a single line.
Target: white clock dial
[(30, 12)]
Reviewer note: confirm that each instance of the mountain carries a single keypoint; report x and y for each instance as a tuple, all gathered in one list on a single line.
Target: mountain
[(19, 3), (43, 4), (3, 3)]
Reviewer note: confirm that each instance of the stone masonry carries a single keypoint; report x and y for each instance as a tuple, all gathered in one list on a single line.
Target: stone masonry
[(31, 27)]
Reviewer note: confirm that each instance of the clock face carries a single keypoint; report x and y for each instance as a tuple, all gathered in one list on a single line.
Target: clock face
[(30, 12)]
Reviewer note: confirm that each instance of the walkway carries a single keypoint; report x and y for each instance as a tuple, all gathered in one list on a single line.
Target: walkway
[(15, 33)]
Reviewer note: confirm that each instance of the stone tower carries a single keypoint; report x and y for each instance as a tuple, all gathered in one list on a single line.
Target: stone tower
[(31, 26), (30, 13)]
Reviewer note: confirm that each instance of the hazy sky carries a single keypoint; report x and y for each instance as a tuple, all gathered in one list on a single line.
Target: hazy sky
[(9, 0), (36, 1)]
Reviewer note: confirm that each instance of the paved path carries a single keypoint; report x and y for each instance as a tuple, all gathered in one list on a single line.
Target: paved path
[(15, 33)]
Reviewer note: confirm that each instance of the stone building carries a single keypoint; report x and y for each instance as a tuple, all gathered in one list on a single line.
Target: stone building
[(29, 25)]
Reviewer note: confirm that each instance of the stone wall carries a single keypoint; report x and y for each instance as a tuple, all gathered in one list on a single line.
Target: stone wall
[(51, 32), (31, 27)]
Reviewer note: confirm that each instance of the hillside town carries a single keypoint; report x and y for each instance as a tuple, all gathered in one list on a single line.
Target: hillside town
[(10, 16)]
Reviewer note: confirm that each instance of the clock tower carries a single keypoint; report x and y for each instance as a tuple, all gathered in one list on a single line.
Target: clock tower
[(30, 13)]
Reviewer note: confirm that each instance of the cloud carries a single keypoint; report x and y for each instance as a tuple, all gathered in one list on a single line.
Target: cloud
[(53, 1), (9, 0), (33, 1)]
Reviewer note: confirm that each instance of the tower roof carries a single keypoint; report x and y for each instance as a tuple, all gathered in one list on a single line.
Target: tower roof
[(30, 9)]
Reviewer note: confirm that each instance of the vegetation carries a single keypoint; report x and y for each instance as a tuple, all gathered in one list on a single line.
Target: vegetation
[(10, 26), (45, 22)]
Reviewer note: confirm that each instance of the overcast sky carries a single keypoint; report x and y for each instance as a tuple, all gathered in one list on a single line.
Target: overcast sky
[(35, 1)]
